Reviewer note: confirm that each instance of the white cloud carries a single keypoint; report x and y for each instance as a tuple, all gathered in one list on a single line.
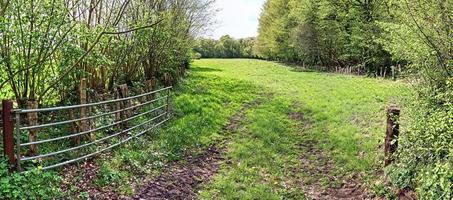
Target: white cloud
[(237, 18)]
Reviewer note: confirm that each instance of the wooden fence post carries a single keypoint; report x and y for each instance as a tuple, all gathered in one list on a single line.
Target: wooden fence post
[(32, 119), (392, 133), (74, 128), (152, 87), (8, 133), (83, 110), (122, 91)]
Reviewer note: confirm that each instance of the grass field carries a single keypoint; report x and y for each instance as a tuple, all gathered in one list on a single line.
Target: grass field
[(282, 133), (342, 115)]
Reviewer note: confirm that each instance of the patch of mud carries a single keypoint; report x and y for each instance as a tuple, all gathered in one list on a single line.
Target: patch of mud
[(296, 116), (407, 194), (319, 166), (182, 180)]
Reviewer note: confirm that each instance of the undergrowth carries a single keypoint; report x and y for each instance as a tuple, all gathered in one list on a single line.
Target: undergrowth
[(34, 184)]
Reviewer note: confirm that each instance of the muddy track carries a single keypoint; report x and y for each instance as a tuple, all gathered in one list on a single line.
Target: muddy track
[(320, 166), (320, 169), (183, 179)]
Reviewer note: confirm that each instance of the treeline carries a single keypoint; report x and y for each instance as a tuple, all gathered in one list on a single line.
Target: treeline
[(326, 34), (374, 37), (47, 47), (225, 47)]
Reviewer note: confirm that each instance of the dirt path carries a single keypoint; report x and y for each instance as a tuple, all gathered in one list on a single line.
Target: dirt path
[(319, 166), (183, 180), (320, 170)]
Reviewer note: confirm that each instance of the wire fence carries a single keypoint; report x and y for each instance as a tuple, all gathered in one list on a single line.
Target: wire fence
[(69, 134)]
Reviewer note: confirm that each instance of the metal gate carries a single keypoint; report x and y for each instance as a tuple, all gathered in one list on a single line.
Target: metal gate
[(115, 121)]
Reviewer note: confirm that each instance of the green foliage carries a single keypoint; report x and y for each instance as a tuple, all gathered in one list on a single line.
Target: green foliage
[(324, 33), (226, 47), (436, 181), (109, 177), (48, 46), (33, 184), (429, 134), (400, 176), (421, 34)]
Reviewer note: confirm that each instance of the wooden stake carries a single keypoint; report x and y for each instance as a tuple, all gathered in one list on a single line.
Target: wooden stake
[(123, 92), (392, 133), (74, 128), (32, 119), (83, 110), (8, 133)]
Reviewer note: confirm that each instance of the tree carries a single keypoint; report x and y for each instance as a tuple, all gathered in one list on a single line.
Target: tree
[(46, 43), (226, 47)]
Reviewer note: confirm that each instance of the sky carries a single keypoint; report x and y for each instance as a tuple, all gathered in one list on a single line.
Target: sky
[(237, 18)]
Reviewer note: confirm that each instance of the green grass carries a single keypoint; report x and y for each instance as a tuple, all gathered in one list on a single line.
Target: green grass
[(263, 157), (348, 111), (346, 116), (202, 105)]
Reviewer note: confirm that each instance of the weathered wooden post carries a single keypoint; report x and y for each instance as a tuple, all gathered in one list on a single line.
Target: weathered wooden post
[(83, 100), (153, 87), (122, 91), (32, 119), (83, 110), (147, 88), (392, 133), (8, 133), (168, 103), (73, 128)]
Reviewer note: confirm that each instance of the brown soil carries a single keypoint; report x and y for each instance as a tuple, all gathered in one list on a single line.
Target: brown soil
[(183, 179), (81, 179), (407, 194), (320, 166)]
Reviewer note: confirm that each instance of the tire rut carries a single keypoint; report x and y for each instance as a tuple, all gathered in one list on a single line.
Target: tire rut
[(319, 166), (184, 179)]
